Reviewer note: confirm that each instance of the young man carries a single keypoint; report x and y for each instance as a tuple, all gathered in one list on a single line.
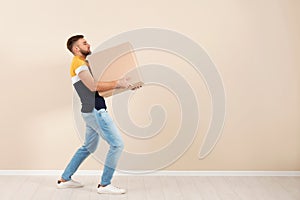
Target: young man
[(98, 122)]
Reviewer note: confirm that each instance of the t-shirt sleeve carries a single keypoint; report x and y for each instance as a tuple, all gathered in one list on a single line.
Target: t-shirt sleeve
[(81, 68)]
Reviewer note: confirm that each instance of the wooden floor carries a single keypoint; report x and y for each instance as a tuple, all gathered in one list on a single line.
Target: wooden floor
[(155, 188)]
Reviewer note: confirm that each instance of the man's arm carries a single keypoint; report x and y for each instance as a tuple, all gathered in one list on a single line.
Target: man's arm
[(101, 86)]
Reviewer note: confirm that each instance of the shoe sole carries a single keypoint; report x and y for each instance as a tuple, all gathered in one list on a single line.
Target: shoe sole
[(66, 187), (111, 193)]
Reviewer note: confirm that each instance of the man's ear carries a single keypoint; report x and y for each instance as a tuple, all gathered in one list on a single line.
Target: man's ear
[(75, 48)]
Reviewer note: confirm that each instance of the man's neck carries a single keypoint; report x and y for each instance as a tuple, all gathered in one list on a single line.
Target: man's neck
[(80, 56)]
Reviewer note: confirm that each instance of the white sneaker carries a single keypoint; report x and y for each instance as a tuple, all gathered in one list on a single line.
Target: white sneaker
[(68, 184), (110, 189)]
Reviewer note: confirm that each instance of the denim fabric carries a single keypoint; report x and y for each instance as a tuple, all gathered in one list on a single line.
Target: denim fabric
[(98, 123)]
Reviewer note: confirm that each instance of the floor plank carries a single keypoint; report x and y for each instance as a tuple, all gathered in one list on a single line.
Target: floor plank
[(252, 190), (289, 184), (153, 188), (170, 188), (187, 188), (224, 190), (274, 189), (205, 188), (136, 188), (45, 189), (28, 189), (260, 189), (9, 185)]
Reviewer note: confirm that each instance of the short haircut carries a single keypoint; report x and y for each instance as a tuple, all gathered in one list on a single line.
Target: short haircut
[(72, 40)]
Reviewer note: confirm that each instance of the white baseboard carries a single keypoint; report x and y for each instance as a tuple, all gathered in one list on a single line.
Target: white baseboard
[(156, 173)]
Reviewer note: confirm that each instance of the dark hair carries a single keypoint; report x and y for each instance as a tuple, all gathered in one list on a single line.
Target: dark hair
[(72, 40)]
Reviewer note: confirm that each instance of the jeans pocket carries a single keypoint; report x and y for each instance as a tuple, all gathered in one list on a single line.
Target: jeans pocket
[(105, 118)]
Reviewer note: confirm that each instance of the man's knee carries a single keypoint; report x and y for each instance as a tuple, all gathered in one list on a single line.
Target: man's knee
[(92, 147), (119, 146), (83, 149)]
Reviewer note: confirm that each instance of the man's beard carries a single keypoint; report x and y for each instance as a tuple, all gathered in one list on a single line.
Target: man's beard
[(85, 53)]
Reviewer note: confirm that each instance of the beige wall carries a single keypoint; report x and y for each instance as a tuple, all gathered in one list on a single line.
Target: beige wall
[(254, 44)]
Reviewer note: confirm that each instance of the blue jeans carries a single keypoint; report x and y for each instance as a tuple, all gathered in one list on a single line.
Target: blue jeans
[(98, 123)]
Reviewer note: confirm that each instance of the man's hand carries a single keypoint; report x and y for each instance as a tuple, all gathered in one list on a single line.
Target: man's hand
[(123, 83)]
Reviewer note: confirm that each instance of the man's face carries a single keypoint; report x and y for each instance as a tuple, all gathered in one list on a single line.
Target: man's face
[(84, 47)]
